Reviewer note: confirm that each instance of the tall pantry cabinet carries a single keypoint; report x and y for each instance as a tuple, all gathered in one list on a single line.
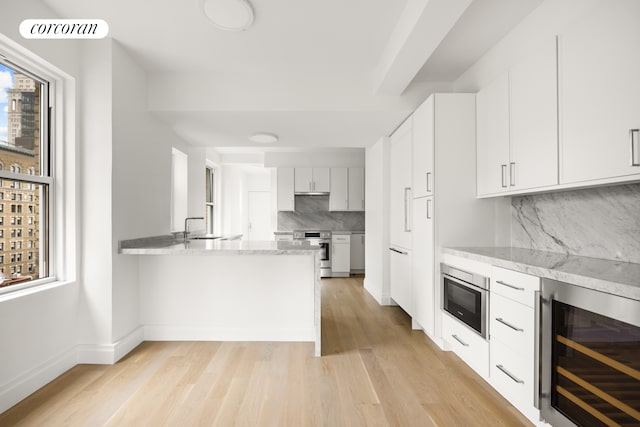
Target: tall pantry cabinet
[(400, 241), (445, 209)]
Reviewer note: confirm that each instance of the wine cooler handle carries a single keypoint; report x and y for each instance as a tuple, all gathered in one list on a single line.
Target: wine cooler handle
[(537, 348)]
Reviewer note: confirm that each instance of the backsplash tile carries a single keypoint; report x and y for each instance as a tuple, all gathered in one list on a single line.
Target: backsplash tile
[(312, 213), (601, 222)]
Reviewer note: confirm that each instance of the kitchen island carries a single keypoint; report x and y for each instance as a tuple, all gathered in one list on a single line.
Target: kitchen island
[(227, 290)]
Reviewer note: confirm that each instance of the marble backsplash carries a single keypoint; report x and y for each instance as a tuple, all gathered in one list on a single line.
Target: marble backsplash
[(599, 222), (312, 213)]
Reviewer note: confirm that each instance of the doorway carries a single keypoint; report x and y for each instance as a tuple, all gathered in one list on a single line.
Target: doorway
[(259, 207)]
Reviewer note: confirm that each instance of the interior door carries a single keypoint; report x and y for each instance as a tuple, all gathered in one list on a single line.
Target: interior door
[(259, 226)]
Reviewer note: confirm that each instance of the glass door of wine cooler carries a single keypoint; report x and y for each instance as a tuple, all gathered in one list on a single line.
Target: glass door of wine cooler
[(590, 357)]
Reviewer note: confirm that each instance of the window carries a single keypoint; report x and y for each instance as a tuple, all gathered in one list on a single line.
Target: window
[(26, 151), (1, 207)]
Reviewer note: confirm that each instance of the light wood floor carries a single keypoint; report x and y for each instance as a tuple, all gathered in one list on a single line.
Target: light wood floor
[(375, 372)]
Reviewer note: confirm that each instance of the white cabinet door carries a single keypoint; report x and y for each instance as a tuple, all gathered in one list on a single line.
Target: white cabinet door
[(356, 189), (341, 254), (423, 134), (492, 109), (285, 189), (400, 279), (303, 180), (321, 180), (357, 252), (600, 93), (400, 186), (533, 120), (423, 274), (339, 196)]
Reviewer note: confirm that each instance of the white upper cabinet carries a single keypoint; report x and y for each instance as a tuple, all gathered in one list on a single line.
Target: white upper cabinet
[(321, 180), (285, 189), (423, 128), (492, 109), (600, 93), (339, 195), (303, 180), (534, 120), (517, 126), (312, 180), (400, 186), (347, 189), (356, 189)]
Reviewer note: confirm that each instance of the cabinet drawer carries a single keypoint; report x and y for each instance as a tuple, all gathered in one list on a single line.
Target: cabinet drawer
[(512, 324), (467, 344), (341, 238), (512, 375), (514, 285)]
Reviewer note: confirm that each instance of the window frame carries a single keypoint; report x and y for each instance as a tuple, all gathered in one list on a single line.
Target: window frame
[(59, 230)]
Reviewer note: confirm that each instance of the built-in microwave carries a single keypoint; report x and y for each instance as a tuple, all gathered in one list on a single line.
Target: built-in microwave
[(465, 296)]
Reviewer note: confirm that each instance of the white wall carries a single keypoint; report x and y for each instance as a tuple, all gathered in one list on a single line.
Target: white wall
[(141, 179), (197, 182), (233, 187), (376, 280), (316, 158), (179, 188), (95, 169), (38, 330)]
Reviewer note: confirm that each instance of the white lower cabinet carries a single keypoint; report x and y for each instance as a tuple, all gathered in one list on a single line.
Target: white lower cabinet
[(357, 252), (512, 335), (467, 344), (401, 283), (340, 255), (512, 375)]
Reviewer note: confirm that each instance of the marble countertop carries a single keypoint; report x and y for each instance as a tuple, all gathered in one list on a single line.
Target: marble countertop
[(169, 245), (613, 277)]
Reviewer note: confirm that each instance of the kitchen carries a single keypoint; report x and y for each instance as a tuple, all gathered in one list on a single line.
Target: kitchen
[(515, 172)]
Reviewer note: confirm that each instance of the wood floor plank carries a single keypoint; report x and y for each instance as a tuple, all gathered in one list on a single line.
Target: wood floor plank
[(375, 371)]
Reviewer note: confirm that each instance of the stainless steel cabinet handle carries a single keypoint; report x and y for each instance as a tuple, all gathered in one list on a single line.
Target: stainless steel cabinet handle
[(455, 337), (428, 182), (509, 286), (536, 350), (512, 174), (515, 328), (634, 136), (406, 209), (397, 251), (429, 209), (504, 176), (509, 374)]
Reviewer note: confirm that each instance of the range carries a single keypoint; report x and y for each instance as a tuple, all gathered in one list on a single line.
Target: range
[(320, 238)]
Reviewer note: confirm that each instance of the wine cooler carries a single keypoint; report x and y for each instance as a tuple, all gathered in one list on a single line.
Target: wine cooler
[(589, 357)]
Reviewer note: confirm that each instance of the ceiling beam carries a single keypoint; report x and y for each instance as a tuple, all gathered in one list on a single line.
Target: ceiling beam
[(421, 28)]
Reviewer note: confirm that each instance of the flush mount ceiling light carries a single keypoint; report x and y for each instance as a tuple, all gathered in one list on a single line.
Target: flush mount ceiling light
[(231, 15), (264, 138)]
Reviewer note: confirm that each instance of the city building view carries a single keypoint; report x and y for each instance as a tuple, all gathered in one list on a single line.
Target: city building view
[(20, 148)]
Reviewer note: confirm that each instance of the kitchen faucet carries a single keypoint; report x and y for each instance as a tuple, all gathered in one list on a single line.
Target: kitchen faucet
[(186, 224)]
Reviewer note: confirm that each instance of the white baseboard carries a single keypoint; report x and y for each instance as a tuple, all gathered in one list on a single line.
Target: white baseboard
[(108, 354), (207, 333), (376, 296), (36, 378)]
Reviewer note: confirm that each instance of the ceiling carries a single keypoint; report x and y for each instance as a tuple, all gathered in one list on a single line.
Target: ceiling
[(315, 73)]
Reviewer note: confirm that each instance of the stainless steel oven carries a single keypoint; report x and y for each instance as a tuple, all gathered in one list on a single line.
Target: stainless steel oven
[(590, 357), (465, 296), (322, 239)]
